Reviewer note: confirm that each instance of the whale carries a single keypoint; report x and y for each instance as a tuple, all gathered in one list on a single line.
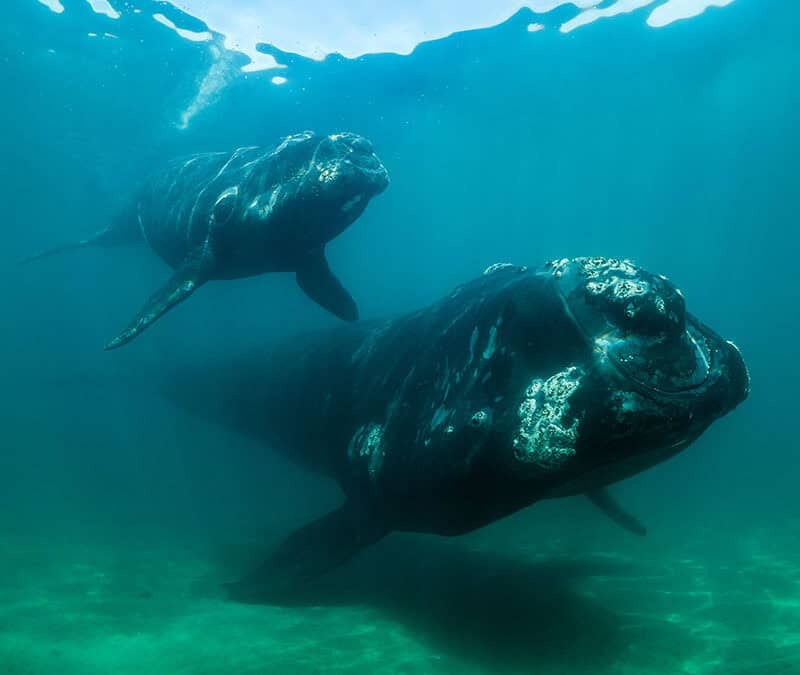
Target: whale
[(246, 212), (522, 385)]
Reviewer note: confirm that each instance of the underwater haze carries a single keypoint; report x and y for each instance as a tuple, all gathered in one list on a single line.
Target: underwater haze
[(665, 132)]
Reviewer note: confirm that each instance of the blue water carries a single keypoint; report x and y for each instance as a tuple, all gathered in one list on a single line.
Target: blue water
[(678, 147)]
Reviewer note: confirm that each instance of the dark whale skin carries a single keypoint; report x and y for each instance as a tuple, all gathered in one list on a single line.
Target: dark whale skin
[(521, 385), (253, 210)]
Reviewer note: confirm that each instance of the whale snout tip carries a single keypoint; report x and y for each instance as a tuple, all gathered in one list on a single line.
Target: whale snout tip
[(354, 155), (382, 179), (738, 374)]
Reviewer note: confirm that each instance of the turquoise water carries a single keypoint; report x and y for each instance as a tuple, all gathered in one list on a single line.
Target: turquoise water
[(120, 516)]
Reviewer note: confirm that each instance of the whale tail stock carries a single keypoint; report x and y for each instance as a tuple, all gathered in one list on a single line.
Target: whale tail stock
[(55, 251), (114, 235)]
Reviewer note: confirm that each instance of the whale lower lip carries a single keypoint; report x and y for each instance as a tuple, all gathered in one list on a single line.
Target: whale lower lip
[(662, 375)]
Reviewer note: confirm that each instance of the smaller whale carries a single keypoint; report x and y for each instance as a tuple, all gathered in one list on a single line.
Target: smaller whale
[(228, 215)]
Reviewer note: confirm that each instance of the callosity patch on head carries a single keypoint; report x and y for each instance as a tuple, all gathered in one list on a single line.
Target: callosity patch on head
[(346, 161), (548, 429), (623, 290)]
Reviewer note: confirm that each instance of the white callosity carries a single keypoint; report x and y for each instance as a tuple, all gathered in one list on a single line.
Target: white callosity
[(599, 272), (596, 267), (327, 173), (558, 267), (367, 442), (617, 280), (620, 289), (548, 432), (481, 419)]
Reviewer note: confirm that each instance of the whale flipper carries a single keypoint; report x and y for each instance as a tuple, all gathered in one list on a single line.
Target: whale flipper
[(315, 278), (309, 552), (193, 273), (604, 501)]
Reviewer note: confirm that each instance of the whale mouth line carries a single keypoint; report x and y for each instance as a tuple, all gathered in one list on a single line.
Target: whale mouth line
[(370, 170)]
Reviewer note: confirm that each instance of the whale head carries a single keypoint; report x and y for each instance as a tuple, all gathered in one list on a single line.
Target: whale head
[(347, 170), (650, 378), (567, 378), (315, 186)]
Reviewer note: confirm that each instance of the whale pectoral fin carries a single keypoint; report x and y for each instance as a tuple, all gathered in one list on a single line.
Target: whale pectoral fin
[(309, 552), (193, 273), (604, 501), (314, 276)]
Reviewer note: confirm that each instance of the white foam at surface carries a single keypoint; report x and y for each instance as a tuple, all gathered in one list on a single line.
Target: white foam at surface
[(542, 6), (316, 28), (353, 28), (258, 61), (674, 10), (53, 5), (193, 36), (104, 7), (99, 7), (590, 15)]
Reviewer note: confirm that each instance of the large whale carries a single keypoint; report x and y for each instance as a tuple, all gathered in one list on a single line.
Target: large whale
[(226, 215), (522, 385)]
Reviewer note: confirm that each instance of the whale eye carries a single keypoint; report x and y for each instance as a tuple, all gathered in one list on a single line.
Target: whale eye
[(225, 205)]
